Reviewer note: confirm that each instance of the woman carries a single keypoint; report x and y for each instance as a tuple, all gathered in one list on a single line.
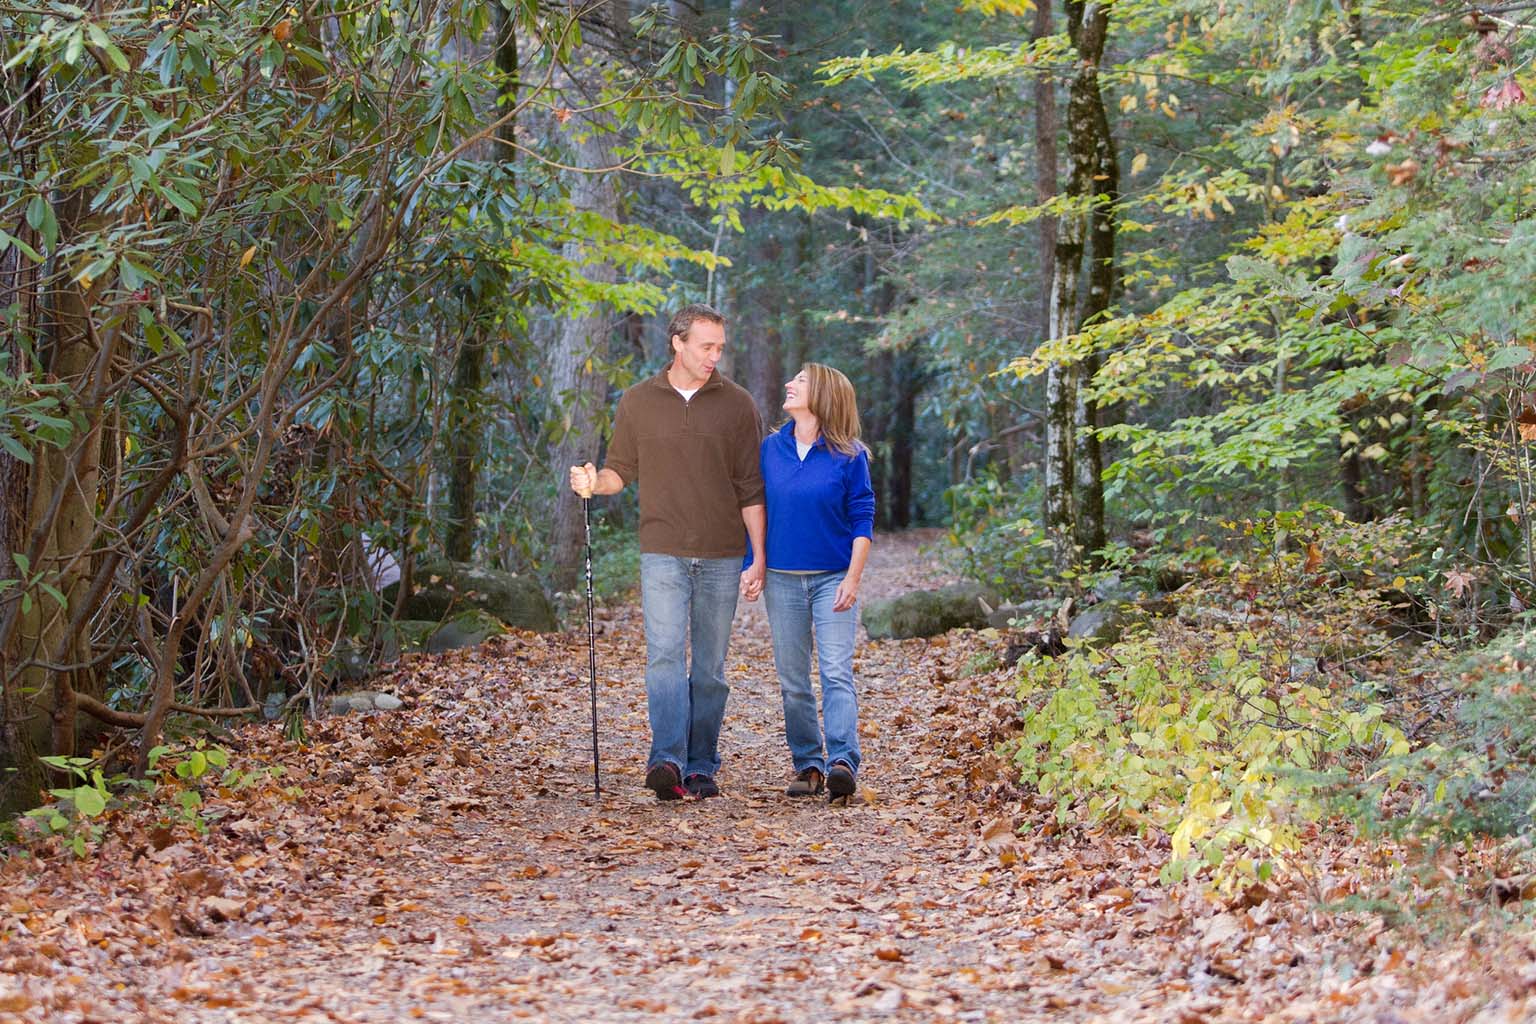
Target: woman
[(821, 515)]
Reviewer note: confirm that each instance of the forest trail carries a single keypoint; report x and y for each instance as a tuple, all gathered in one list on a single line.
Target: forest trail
[(448, 862)]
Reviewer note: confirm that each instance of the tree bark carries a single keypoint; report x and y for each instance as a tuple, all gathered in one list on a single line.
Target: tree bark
[(1087, 25), (757, 332), (466, 398), (1047, 126), (579, 387), (21, 778), (47, 645), (901, 435), (466, 395), (1103, 284)]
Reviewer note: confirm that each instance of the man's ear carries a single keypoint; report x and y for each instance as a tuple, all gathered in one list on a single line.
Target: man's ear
[(677, 342)]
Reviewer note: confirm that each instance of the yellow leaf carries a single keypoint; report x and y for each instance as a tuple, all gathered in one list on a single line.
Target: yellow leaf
[(1138, 164), (247, 256)]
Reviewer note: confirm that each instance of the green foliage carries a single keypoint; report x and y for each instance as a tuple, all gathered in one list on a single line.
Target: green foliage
[(1477, 776), (174, 787), (1233, 725), (1205, 737), (950, 62), (288, 226), (32, 412), (76, 810), (615, 563), (994, 541)]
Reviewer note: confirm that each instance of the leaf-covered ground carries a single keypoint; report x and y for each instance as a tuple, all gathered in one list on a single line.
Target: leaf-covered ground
[(449, 862)]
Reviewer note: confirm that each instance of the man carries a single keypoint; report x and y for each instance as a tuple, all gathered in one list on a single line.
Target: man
[(689, 438)]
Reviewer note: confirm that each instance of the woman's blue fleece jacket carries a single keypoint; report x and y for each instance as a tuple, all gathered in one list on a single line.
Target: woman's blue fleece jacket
[(816, 507)]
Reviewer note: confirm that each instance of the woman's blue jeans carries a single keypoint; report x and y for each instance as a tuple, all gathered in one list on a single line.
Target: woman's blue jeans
[(686, 599), (800, 610)]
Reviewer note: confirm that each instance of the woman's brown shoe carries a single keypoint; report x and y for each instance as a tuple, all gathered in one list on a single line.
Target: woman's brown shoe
[(841, 783), (807, 783)]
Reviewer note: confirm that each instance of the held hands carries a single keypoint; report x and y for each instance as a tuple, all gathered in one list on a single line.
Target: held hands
[(752, 580), (847, 593), (584, 479)]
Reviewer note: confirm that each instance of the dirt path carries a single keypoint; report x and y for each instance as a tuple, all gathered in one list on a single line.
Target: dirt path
[(449, 863)]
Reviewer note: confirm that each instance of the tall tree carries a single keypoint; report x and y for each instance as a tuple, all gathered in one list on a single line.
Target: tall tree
[(580, 352), (1087, 145), (486, 295), (1102, 277), (578, 379)]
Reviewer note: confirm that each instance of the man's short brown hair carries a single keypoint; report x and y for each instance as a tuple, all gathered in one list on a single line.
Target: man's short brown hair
[(682, 321)]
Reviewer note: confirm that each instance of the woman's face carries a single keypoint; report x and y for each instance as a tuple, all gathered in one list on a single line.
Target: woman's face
[(797, 393)]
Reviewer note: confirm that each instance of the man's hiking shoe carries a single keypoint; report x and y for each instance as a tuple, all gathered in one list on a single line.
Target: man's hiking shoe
[(702, 787), (807, 783), (840, 782), (662, 779)]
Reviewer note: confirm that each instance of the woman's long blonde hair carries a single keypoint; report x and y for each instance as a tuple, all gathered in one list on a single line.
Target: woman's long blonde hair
[(832, 401)]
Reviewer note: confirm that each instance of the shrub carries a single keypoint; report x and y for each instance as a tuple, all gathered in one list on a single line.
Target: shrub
[(994, 541), (1476, 776), (1204, 736)]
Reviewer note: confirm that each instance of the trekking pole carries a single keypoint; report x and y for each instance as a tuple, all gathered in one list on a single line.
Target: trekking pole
[(586, 518)]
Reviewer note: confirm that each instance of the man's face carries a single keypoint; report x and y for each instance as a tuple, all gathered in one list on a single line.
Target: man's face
[(698, 353)]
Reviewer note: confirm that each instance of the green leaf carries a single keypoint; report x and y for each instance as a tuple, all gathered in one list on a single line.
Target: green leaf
[(98, 34), (25, 53), (8, 240), (89, 801), (177, 200), (74, 46), (116, 56), (1509, 355), (14, 449)]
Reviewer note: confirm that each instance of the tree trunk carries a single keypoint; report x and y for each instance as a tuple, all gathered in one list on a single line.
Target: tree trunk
[(1060, 406), (1087, 25), (466, 397), (906, 383), (579, 387), (1046, 183), (51, 655), (21, 778), (757, 333), (1103, 284)]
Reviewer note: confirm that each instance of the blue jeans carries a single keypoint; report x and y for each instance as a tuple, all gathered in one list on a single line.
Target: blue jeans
[(800, 605), (683, 598)]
